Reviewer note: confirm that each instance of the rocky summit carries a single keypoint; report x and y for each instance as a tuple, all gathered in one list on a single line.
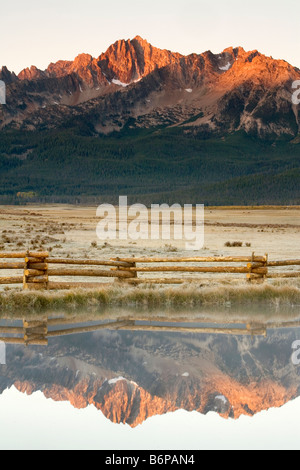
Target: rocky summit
[(148, 374), (136, 85)]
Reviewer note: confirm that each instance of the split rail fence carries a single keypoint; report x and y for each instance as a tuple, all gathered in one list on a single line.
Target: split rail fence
[(37, 270), (39, 331)]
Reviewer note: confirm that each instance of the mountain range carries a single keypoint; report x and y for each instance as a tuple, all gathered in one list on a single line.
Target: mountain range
[(140, 112), (134, 82), (131, 376)]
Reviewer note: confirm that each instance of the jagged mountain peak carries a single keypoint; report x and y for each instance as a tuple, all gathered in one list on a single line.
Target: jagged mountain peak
[(7, 76), (31, 73), (233, 90), (83, 60), (129, 60), (172, 377)]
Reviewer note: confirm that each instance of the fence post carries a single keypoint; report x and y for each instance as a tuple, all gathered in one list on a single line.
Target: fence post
[(35, 271), (133, 274), (266, 265), (25, 276), (252, 274), (35, 332)]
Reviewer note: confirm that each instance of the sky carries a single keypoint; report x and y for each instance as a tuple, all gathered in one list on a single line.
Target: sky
[(39, 32), (57, 425)]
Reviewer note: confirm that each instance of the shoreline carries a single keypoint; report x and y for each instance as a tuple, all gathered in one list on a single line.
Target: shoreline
[(278, 295)]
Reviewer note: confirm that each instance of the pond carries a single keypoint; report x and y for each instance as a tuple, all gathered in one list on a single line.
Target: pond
[(207, 380)]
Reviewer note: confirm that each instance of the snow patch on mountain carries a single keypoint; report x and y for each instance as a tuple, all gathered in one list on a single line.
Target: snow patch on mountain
[(226, 67), (117, 82)]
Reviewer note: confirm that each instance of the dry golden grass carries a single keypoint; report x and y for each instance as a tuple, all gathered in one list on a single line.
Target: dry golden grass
[(69, 231), (277, 295)]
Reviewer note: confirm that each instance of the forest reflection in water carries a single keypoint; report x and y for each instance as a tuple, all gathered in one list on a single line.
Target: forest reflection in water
[(231, 364)]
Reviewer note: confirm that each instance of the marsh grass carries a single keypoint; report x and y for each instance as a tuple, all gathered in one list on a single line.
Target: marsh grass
[(275, 295)]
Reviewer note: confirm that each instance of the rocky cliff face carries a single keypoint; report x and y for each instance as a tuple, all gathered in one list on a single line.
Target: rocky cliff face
[(125, 402), (130, 61), (130, 376), (136, 84), (7, 76)]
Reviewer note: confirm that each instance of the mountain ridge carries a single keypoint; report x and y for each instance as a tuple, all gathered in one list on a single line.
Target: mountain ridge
[(155, 374), (233, 90), (216, 128)]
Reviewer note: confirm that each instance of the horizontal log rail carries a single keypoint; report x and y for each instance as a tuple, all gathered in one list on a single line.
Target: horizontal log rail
[(23, 254), (207, 259), (193, 269), (88, 272), (11, 280), (283, 275), (291, 262), (84, 262), (12, 265), (40, 271), (62, 285)]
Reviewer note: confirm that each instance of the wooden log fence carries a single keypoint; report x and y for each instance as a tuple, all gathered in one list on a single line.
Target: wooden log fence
[(37, 269), (38, 331)]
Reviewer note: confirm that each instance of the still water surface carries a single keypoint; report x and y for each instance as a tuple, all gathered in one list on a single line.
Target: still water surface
[(195, 383)]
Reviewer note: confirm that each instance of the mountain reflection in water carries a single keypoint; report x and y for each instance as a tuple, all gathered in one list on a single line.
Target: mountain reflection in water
[(132, 369)]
